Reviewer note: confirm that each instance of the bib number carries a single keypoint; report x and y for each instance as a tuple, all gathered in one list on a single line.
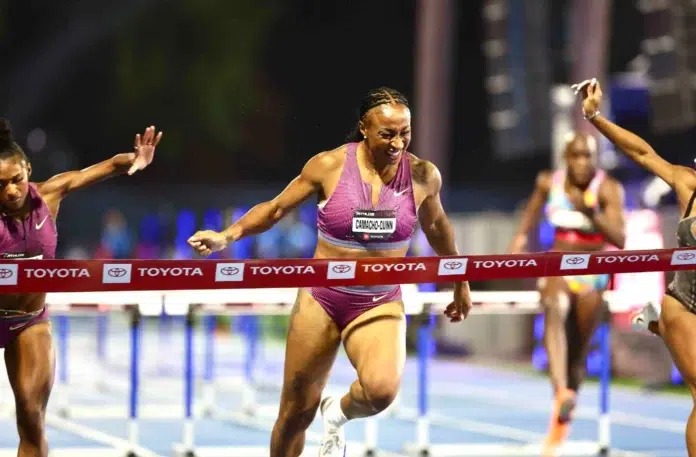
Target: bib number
[(20, 256), (374, 225)]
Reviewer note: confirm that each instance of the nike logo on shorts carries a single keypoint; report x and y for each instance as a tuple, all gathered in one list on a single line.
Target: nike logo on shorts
[(18, 326), (378, 298)]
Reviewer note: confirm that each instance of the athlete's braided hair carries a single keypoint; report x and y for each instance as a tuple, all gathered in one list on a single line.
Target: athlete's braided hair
[(8, 147), (374, 98)]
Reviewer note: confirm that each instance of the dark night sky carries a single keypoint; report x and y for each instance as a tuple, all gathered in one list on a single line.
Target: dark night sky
[(315, 61)]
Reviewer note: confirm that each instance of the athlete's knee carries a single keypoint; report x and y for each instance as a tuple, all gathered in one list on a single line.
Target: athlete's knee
[(30, 419), (299, 403), (296, 417), (556, 306), (380, 389)]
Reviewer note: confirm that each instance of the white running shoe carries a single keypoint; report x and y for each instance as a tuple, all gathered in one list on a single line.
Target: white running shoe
[(333, 444), (640, 320)]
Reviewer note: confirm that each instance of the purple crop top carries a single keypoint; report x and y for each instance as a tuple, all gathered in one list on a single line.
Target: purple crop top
[(348, 219), (35, 237)]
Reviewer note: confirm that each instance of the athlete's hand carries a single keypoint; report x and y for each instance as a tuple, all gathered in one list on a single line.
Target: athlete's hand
[(144, 149), (205, 242), (591, 95), (459, 309)]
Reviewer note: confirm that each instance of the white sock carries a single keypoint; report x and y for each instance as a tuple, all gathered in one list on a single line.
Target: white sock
[(334, 414)]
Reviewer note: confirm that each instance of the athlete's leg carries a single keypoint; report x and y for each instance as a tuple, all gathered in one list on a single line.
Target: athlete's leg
[(555, 301), (375, 343), (585, 318), (678, 329), (30, 363), (312, 344), (376, 346)]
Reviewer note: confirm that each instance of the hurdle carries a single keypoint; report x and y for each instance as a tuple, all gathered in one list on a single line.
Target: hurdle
[(270, 285), (423, 305)]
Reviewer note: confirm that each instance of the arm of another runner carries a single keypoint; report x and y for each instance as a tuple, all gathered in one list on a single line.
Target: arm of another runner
[(438, 230), (611, 221), (265, 215), (636, 148), (532, 211), (61, 185)]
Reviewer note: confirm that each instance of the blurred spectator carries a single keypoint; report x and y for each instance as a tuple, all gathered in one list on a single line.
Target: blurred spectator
[(150, 239), (116, 240), (268, 243), (298, 239)]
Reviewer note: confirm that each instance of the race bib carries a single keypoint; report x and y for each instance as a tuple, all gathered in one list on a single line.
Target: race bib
[(374, 225), (20, 256)]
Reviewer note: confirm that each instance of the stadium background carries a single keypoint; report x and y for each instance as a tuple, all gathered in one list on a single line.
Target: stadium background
[(247, 91)]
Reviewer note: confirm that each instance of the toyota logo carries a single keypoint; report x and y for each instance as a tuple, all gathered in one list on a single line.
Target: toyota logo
[(5, 273), (116, 272), (341, 268), (229, 271), (686, 256), (453, 265), (575, 260)]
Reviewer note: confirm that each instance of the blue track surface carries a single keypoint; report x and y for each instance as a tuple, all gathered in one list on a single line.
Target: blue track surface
[(471, 404)]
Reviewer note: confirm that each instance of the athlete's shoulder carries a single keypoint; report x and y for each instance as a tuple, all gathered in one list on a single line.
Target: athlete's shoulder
[(325, 162), (685, 176), (544, 180), (330, 159), (610, 183), (610, 179), (423, 171)]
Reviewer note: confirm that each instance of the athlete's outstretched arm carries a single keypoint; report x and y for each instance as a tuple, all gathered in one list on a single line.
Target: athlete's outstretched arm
[(130, 162), (265, 215), (532, 211), (438, 230), (636, 148)]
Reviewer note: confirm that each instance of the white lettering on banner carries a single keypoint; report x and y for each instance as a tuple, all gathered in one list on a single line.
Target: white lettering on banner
[(380, 267), (628, 258), (185, 271), (61, 273), (286, 270), (510, 263)]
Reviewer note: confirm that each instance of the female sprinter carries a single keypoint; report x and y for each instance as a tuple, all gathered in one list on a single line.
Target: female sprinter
[(676, 322), (28, 231), (585, 206), (360, 185)]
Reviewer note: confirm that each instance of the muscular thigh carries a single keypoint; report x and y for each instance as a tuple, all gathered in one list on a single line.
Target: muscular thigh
[(30, 363), (311, 347), (678, 329), (375, 342)]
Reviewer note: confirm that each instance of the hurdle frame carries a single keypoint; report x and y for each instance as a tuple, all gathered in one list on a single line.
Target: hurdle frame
[(429, 303)]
